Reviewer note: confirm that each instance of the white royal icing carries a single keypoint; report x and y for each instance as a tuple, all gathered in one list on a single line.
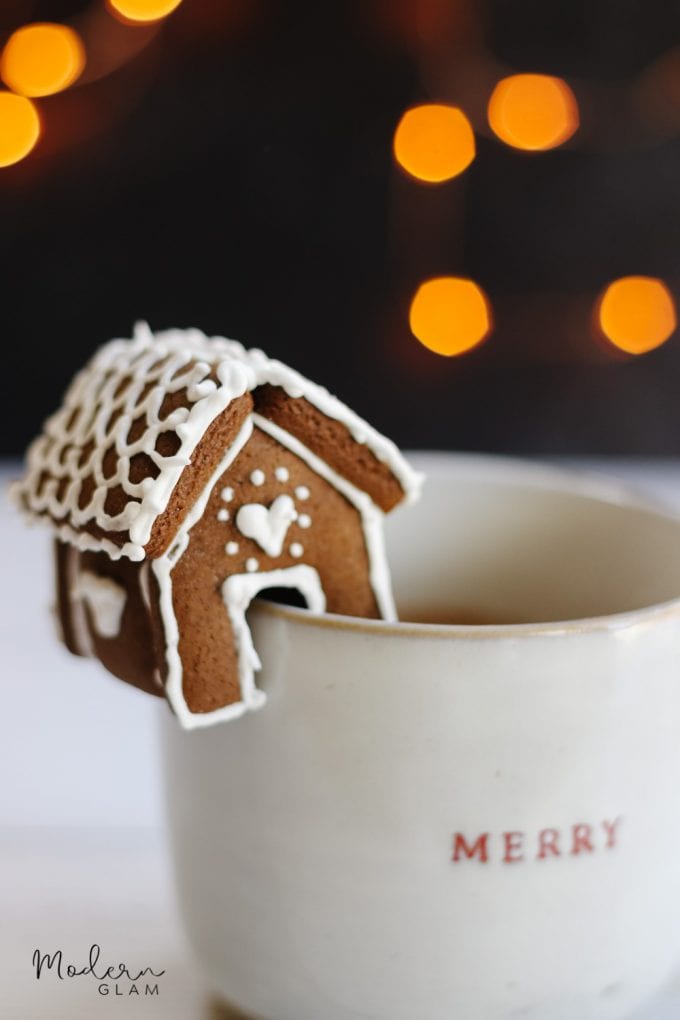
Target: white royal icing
[(268, 526), (372, 516), (304, 521), (231, 548), (127, 381), (222, 514), (162, 568), (98, 413), (105, 599), (296, 550), (238, 591), (268, 370)]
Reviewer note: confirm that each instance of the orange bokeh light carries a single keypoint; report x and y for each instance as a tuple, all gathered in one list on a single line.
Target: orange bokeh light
[(637, 313), (434, 142), (143, 10), (19, 128), (450, 315), (41, 59), (533, 111)]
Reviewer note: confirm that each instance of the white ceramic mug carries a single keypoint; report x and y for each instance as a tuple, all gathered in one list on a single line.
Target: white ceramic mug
[(469, 822)]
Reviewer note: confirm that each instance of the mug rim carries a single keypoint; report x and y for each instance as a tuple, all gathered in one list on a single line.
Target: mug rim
[(572, 481)]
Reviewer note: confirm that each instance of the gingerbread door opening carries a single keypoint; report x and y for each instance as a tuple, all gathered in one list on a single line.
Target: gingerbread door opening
[(239, 590)]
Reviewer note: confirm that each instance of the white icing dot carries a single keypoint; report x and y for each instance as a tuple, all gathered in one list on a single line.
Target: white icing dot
[(302, 492), (257, 477), (227, 494), (304, 520), (282, 474), (251, 565), (296, 549), (222, 515), (231, 548)]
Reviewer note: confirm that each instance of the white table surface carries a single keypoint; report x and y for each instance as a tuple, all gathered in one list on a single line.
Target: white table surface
[(83, 857)]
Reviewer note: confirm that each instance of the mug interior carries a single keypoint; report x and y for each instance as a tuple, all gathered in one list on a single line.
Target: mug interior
[(496, 541)]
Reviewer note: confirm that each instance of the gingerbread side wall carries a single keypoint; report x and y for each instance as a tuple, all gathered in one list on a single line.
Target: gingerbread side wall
[(104, 612), (64, 558)]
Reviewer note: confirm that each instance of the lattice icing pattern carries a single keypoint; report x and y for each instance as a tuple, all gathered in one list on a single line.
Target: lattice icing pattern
[(101, 448), (107, 462)]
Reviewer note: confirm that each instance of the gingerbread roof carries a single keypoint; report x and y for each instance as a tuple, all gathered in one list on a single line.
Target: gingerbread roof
[(106, 465)]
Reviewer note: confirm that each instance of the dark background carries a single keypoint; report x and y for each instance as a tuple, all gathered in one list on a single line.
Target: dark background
[(235, 173)]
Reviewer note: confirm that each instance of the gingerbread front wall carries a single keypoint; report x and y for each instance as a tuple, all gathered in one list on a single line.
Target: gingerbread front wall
[(327, 534)]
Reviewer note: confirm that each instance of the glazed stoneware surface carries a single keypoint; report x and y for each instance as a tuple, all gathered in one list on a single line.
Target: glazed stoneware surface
[(454, 820)]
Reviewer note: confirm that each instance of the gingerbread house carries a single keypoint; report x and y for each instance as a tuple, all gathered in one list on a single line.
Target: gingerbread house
[(182, 476)]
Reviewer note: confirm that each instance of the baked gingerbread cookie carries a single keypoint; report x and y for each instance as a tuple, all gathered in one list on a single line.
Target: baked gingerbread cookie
[(184, 475)]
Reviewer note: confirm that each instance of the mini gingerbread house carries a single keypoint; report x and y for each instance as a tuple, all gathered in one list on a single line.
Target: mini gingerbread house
[(184, 475)]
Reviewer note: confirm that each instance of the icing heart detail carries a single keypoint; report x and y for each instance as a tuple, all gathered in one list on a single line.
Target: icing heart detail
[(268, 526)]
